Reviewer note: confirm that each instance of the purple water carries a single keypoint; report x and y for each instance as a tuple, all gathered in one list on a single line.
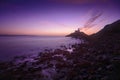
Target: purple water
[(11, 46)]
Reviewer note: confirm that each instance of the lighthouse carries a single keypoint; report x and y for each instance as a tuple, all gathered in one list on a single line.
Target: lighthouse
[(78, 30)]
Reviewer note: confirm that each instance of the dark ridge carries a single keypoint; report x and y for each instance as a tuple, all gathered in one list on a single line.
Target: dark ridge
[(109, 30), (108, 39)]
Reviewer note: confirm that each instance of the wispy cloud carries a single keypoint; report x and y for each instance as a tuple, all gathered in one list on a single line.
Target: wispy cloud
[(92, 19)]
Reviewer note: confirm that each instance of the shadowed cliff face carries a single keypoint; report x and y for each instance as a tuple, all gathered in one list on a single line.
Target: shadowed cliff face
[(109, 30), (108, 38)]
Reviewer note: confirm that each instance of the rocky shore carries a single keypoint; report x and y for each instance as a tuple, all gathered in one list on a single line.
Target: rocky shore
[(95, 59)]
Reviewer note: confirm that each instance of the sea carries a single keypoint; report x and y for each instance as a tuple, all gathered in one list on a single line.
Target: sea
[(11, 46)]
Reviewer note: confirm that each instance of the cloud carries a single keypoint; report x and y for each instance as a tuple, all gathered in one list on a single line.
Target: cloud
[(94, 16), (94, 19)]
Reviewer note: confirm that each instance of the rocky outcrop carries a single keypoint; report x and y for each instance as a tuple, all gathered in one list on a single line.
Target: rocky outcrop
[(111, 31), (79, 35)]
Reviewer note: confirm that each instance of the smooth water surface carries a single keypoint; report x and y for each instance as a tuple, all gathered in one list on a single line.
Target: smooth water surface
[(11, 46)]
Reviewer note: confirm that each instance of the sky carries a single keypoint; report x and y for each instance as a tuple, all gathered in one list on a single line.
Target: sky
[(56, 17)]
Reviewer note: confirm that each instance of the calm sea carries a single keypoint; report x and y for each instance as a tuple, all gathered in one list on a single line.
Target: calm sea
[(11, 46)]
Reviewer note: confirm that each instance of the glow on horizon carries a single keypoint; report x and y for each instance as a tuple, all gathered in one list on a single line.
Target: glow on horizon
[(55, 19)]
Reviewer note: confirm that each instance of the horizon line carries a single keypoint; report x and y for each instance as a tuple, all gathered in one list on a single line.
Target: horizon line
[(31, 35)]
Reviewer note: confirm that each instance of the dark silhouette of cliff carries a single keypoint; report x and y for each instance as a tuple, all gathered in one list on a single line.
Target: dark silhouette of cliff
[(110, 33), (109, 30)]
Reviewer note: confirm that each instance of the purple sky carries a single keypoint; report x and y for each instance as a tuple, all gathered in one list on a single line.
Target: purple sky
[(56, 17)]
